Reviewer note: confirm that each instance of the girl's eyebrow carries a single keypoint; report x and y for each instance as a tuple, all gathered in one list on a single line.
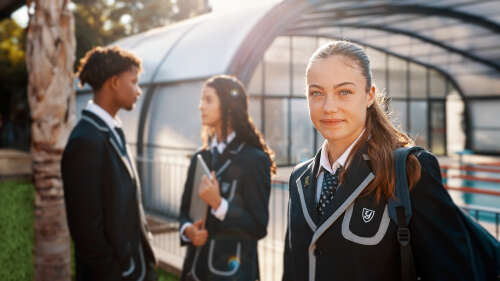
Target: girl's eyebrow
[(343, 84), (316, 86), (334, 86)]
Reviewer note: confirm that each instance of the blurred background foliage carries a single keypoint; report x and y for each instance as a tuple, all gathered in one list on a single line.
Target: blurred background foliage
[(97, 23)]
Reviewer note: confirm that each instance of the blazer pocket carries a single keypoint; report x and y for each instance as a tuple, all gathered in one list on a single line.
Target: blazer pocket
[(129, 269), (360, 239), (224, 257)]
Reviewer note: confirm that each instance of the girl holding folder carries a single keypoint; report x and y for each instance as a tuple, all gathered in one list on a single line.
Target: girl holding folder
[(224, 245)]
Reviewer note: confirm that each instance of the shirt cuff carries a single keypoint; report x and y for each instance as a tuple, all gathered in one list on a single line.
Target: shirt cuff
[(221, 211), (184, 237)]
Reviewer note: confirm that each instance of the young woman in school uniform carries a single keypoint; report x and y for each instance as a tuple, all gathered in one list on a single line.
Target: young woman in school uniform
[(224, 247), (338, 222)]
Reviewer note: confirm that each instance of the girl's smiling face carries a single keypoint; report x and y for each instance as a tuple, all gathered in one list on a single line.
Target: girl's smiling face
[(338, 98)]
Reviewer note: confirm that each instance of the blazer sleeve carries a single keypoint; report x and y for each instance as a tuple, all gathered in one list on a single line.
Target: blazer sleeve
[(186, 198), (438, 235), (253, 217), (288, 268), (81, 173)]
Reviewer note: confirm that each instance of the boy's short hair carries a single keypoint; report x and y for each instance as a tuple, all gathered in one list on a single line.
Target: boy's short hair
[(101, 63)]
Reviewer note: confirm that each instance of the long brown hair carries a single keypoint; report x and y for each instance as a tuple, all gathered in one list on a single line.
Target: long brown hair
[(380, 136), (234, 113)]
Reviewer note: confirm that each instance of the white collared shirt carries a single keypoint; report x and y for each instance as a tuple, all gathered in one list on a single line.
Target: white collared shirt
[(221, 146), (221, 211), (111, 122), (324, 163)]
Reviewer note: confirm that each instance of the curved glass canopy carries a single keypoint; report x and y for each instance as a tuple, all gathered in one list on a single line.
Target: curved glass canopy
[(423, 53)]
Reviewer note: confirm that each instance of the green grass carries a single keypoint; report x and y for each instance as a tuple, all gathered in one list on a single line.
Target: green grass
[(165, 276), (16, 231)]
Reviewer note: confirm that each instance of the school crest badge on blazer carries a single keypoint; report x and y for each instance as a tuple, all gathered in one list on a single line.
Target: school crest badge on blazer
[(367, 215)]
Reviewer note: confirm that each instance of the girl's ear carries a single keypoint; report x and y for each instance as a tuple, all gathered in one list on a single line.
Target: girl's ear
[(371, 96)]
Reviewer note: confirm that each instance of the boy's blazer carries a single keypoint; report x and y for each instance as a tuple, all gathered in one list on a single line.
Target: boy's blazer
[(103, 203)]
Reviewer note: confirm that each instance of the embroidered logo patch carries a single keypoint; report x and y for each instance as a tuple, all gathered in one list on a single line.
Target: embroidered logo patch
[(367, 215)]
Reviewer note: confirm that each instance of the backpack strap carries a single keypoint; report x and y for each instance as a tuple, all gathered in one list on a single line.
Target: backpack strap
[(401, 193), (400, 211)]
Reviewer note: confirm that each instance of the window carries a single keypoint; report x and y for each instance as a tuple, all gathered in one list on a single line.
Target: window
[(277, 67)]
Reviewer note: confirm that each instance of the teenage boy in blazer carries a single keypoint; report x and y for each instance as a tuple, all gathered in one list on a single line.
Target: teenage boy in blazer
[(101, 186)]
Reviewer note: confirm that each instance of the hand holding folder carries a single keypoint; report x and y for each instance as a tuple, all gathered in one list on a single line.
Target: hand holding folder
[(198, 208), (197, 233), (209, 191)]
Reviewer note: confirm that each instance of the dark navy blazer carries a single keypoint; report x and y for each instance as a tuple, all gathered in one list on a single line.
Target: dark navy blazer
[(103, 202), (346, 244), (244, 179)]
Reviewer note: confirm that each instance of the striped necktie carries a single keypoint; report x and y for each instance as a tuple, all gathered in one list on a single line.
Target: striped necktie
[(215, 158), (120, 133), (328, 188)]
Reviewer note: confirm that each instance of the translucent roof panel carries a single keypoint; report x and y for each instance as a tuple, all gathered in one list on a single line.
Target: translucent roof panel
[(208, 48), (194, 48), (154, 45), (460, 37), (151, 47), (165, 113)]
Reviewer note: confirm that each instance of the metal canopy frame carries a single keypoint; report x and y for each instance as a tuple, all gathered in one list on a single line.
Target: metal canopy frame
[(386, 9), (306, 17), (495, 66), (300, 15), (394, 19)]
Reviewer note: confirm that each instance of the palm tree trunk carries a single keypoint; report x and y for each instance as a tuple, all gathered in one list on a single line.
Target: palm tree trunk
[(50, 57)]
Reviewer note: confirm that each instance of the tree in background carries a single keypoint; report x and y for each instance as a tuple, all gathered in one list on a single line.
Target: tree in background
[(50, 55), (97, 22), (100, 22), (50, 60)]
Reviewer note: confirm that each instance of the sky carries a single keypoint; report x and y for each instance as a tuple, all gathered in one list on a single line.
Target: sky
[(21, 16)]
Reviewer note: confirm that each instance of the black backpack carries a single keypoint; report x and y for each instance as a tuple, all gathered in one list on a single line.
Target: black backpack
[(484, 248)]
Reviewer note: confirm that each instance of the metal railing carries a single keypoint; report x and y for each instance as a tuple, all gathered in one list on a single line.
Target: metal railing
[(486, 216), (479, 186), (163, 183)]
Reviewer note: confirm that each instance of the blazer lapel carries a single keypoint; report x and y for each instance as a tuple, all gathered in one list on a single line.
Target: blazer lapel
[(121, 156), (306, 187), (101, 126), (224, 161), (356, 179), (126, 160), (138, 187), (133, 166)]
